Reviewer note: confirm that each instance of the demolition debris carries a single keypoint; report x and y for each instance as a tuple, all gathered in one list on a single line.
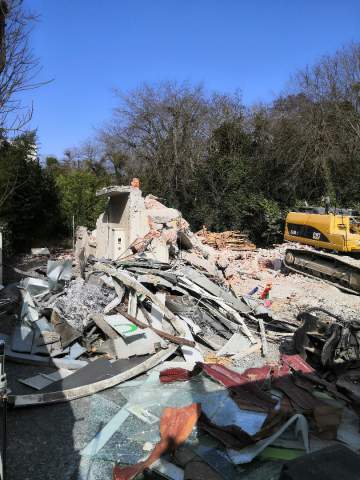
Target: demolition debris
[(188, 329), (232, 240)]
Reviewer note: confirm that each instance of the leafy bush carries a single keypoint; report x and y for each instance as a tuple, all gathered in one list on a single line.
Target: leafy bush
[(77, 189), (265, 219)]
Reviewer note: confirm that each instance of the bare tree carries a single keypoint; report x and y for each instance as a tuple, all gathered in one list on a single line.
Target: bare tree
[(315, 127), (19, 66), (10, 172), (334, 82), (157, 133), (333, 78), (3, 12), (161, 134)]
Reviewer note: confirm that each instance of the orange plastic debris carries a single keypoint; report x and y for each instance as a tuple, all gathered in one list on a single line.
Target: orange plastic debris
[(176, 425)]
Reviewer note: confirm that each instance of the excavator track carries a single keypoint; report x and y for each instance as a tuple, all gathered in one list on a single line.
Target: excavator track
[(327, 267)]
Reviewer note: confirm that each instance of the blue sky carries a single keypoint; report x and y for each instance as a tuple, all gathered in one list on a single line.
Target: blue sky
[(90, 47)]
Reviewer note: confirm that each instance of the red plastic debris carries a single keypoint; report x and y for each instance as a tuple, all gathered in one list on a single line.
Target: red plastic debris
[(266, 292), (175, 375), (231, 379), (297, 363), (246, 387)]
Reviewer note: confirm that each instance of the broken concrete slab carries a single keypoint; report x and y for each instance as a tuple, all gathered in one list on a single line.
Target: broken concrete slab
[(191, 354), (43, 325), (122, 326), (27, 358), (95, 371), (145, 344), (38, 382), (237, 344), (211, 287), (155, 280), (182, 304), (29, 312), (116, 348), (194, 327), (200, 262), (35, 286), (58, 375), (161, 333), (22, 338), (47, 337), (42, 380), (163, 215), (132, 305), (39, 348), (156, 313), (67, 333)]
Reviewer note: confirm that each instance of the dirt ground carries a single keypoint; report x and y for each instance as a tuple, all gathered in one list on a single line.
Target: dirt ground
[(292, 292)]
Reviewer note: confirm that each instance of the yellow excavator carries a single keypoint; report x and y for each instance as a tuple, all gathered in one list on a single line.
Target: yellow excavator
[(335, 230)]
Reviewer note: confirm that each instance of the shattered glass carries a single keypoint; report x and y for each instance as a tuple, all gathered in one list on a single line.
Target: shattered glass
[(126, 445), (221, 410), (93, 469), (156, 396)]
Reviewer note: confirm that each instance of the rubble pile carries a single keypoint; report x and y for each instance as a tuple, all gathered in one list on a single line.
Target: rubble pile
[(142, 300), (186, 329), (233, 240)]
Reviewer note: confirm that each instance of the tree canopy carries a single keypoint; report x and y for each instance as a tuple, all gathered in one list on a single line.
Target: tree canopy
[(222, 163)]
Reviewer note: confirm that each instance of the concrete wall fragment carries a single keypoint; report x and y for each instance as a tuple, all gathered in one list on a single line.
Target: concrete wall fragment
[(133, 224)]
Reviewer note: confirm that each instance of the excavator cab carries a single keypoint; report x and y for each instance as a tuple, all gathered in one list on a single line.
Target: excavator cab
[(355, 225)]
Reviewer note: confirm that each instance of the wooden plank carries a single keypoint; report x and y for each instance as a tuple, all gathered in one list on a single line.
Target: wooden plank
[(40, 360), (265, 349), (161, 333)]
